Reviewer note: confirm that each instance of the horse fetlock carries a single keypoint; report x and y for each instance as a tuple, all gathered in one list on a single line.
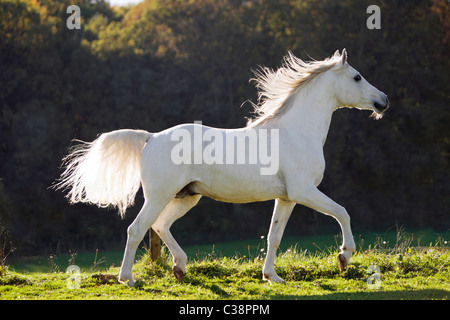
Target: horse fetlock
[(126, 279), (272, 277), (180, 260), (348, 248)]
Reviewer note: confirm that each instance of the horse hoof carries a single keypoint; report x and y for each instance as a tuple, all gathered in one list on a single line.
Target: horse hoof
[(178, 273), (342, 262), (273, 279)]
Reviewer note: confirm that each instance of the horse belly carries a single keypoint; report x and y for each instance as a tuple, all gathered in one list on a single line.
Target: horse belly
[(241, 187)]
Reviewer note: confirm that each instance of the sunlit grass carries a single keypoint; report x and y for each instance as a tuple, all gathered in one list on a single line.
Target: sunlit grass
[(405, 273)]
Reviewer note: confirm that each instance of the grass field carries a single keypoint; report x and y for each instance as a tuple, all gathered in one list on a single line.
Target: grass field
[(405, 272), (103, 259)]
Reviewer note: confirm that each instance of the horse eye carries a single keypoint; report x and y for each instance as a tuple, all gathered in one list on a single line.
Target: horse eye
[(357, 78)]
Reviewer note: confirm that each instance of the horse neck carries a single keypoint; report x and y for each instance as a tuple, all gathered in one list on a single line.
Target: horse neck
[(310, 113)]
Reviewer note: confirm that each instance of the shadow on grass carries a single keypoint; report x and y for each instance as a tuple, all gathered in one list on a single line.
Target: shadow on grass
[(407, 294), (423, 294)]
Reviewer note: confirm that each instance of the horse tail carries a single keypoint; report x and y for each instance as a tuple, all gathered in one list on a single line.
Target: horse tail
[(105, 172)]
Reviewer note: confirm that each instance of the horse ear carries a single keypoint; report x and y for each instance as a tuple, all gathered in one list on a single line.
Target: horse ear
[(344, 56)]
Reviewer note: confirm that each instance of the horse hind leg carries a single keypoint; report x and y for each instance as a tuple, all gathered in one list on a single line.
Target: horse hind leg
[(145, 219), (177, 208)]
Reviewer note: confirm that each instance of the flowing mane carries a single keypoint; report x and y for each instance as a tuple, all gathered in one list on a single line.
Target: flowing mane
[(276, 88)]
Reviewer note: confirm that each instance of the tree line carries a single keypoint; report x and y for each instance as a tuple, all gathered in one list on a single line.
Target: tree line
[(165, 62)]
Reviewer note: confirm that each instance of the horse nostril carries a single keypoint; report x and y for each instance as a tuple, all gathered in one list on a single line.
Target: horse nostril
[(380, 107)]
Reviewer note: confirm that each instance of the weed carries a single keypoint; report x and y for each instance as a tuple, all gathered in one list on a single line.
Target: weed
[(72, 258), (96, 265), (6, 248), (53, 264)]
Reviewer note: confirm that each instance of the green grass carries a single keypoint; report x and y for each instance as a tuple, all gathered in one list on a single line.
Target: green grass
[(405, 273), (103, 260)]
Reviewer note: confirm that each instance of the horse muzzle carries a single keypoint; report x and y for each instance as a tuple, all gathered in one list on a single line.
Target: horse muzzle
[(381, 106)]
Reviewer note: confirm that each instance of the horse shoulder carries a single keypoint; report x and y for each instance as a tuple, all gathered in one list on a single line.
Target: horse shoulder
[(303, 163)]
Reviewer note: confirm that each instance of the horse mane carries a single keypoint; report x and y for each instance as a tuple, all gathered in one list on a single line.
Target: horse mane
[(277, 88)]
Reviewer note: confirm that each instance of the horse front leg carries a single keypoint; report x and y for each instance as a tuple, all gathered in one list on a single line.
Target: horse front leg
[(280, 217), (315, 199)]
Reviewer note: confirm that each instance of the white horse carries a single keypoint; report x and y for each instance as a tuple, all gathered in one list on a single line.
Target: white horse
[(296, 103)]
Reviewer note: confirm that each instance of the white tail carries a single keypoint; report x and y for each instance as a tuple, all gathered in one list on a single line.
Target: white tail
[(105, 172)]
